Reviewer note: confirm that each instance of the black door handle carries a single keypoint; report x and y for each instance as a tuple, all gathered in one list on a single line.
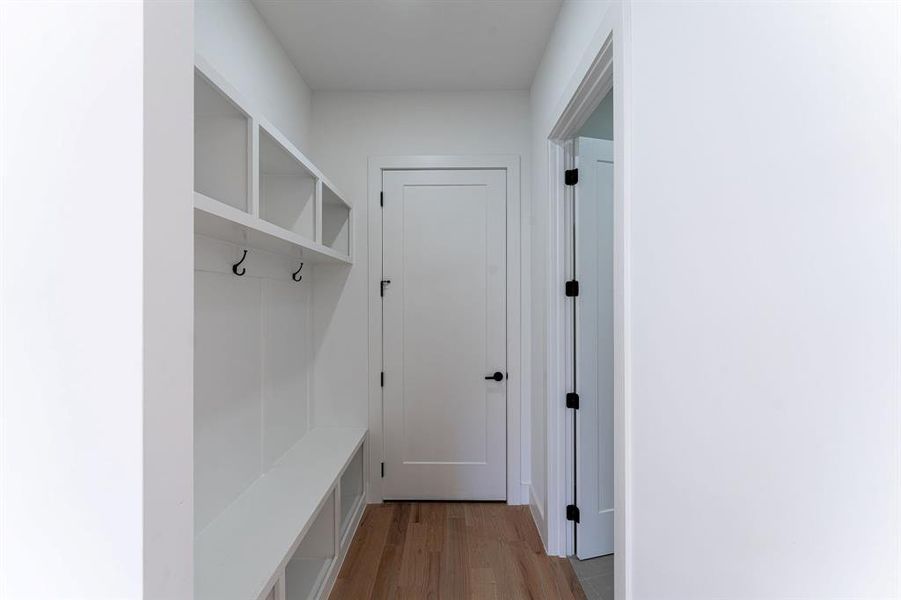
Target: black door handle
[(498, 376)]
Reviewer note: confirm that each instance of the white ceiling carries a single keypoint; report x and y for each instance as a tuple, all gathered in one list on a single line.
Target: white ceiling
[(446, 45)]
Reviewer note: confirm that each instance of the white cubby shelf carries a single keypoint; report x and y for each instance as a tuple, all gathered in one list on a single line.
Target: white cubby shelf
[(253, 187), (285, 531)]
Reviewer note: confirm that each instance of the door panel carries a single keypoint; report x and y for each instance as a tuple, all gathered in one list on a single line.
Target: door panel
[(594, 347), (444, 317)]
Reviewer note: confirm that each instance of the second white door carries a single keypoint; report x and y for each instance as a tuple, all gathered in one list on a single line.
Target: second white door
[(444, 319), (594, 347)]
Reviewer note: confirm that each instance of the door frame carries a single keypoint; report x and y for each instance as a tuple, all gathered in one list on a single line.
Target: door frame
[(517, 483), (604, 66)]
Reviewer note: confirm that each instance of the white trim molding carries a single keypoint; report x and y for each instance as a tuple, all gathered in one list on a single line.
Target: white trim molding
[(517, 438), (591, 90)]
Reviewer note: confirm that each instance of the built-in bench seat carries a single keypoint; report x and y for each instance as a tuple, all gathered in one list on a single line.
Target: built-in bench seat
[(244, 552)]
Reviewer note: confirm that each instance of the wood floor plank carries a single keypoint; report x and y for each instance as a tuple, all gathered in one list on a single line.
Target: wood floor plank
[(434, 515), (568, 585), (415, 567), (451, 551), (358, 573), (454, 574), (482, 545), (386, 579)]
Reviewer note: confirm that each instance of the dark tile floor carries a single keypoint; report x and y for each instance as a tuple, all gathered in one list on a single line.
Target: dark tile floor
[(596, 576)]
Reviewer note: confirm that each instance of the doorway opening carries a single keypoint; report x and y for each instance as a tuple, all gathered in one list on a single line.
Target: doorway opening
[(588, 331), (589, 223)]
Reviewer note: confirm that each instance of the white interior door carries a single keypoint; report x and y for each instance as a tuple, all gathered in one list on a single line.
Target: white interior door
[(594, 346), (444, 319)]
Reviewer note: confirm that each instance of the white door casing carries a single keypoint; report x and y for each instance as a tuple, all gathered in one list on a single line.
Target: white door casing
[(444, 331), (594, 347)]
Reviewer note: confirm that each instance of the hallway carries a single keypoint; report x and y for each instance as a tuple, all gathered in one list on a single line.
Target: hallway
[(452, 551)]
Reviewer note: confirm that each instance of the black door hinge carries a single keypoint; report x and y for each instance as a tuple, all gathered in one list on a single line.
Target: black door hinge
[(572, 400), (571, 176), (381, 198), (572, 513), (383, 284), (383, 470), (572, 288), (382, 379)]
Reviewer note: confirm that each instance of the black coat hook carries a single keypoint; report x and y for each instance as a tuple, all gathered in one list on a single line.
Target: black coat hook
[(238, 264), (296, 276)]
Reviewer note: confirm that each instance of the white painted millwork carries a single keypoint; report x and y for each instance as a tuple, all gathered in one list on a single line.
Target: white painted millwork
[(309, 565), (287, 188), (242, 553), (593, 216), (277, 499), (253, 187), (335, 224), (217, 220), (444, 252), (222, 146)]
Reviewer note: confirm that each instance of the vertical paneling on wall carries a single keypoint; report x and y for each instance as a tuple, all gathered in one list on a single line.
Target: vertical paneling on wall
[(252, 369)]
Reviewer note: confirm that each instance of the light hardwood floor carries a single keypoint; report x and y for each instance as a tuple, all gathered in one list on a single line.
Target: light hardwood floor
[(451, 551)]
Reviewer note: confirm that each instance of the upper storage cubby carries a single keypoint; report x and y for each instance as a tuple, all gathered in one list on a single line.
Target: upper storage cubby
[(287, 188), (336, 230), (222, 135), (254, 188)]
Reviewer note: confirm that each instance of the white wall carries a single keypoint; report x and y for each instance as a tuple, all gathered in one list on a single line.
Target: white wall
[(764, 265), (576, 27), (81, 379), (349, 128), (168, 349), (232, 36), (765, 284)]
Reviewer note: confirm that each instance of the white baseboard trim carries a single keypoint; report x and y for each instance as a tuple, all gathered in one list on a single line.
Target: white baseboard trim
[(522, 494), (537, 511)]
